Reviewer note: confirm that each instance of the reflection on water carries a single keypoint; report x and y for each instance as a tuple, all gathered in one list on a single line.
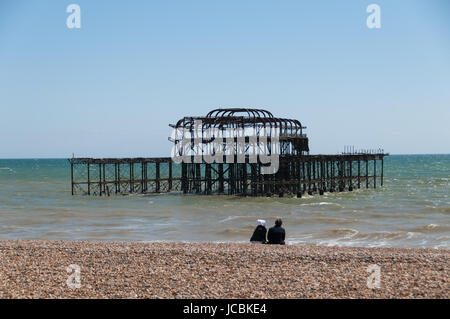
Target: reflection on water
[(411, 210)]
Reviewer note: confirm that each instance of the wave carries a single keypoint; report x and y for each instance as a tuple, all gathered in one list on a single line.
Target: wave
[(440, 209), (323, 220), (431, 228), (345, 234), (232, 218), (233, 231), (320, 204)]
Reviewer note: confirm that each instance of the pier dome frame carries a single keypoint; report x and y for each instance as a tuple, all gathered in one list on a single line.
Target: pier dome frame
[(284, 136)]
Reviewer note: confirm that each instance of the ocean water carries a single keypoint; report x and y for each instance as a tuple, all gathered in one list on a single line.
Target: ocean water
[(412, 209)]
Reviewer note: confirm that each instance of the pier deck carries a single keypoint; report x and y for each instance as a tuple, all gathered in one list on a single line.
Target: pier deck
[(297, 175), (226, 152)]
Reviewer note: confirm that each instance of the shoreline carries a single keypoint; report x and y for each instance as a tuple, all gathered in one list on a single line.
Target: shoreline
[(38, 269)]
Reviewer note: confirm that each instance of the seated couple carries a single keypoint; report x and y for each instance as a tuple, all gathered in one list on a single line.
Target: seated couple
[(276, 233)]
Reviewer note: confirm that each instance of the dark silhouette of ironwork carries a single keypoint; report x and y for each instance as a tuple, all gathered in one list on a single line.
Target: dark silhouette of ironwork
[(298, 172)]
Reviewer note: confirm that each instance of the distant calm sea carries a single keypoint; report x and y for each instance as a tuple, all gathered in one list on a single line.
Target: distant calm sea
[(411, 210)]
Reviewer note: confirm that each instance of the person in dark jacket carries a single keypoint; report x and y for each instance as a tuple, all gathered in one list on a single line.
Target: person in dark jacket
[(259, 235), (277, 233)]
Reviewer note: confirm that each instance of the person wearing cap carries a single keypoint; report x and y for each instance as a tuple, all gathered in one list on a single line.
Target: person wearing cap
[(259, 235)]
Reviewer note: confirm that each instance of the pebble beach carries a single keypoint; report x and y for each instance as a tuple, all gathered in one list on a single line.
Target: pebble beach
[(39, 269)]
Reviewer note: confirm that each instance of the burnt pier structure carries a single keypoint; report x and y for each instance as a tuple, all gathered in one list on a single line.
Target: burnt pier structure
[(246, 152)]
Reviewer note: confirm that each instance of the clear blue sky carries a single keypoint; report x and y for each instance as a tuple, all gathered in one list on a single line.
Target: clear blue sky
[(112, 87)]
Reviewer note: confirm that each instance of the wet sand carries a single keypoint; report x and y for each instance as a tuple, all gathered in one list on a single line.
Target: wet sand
[(37, 269)]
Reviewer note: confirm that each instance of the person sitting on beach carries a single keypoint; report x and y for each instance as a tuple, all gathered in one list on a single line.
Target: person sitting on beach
[(259, 235), (277, 233)]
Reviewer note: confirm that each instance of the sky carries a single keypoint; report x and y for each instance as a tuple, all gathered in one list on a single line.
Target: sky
[(111, 87)]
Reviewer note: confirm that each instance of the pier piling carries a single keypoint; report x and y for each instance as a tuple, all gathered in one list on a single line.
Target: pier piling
[(237, 169)]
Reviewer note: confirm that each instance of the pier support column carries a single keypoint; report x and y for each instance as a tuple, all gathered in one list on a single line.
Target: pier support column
[(89, 178), (359, 173), (118, 177), (71, 175), (170, 176), (198, 178), (131, 178), (100, 179), (350, 186), (208, 187), (143, 177), (374, 173), (244, 179), (332, 176), (367, 173), (221, 179), (105, 186), (157, 177)]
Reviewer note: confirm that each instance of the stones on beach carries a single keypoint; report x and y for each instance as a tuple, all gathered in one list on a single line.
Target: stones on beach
[(37, 269)]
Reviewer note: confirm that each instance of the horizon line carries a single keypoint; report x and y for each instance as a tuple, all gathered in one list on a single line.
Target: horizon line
[(68, 158)]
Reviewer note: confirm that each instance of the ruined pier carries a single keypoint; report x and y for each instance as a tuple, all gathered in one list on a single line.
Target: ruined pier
[(232, 152)]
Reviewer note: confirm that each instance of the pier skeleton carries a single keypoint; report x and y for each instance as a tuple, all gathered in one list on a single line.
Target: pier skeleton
[(298, 171)]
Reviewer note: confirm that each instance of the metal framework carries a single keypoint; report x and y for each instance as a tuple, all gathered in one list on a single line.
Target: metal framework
[(239, 123), (228, 134)]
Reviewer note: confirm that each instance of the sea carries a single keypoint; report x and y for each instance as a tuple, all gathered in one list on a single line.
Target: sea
[(412, 209)]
